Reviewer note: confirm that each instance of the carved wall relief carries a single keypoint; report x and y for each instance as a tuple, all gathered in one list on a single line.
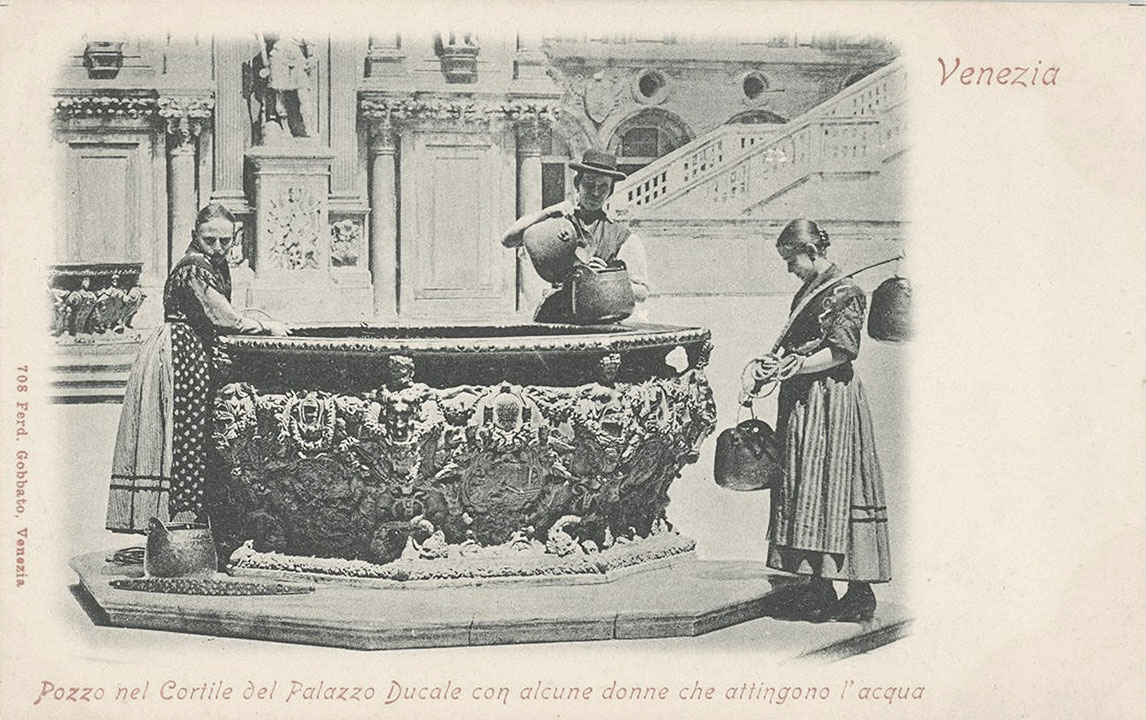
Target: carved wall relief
[(94, 299), (293, 228), (345, 243)]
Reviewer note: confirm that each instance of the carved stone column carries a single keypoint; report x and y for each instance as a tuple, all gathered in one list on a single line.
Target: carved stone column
[(181, 197), (233, 122), (530, 286), (384, 217), (528, 167), (184, 118), (345, 69)]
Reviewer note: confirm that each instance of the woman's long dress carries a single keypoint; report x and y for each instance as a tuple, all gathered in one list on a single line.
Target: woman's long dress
[(160, 463), (829, 518)]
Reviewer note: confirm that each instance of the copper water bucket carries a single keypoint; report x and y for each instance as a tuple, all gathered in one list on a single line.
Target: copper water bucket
[(601, 296), (552, 247), (890, 317), (179, 550)]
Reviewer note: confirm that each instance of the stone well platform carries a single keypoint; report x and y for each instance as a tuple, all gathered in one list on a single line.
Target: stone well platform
[(686, 598)]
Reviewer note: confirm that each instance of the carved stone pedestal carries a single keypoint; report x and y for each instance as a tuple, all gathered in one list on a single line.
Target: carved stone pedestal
[(303, 270)]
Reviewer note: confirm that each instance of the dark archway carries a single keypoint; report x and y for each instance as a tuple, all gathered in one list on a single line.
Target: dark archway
[(757, 117), (646, 136)]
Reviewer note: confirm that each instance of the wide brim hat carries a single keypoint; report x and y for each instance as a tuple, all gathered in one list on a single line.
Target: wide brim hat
[(600, 162)]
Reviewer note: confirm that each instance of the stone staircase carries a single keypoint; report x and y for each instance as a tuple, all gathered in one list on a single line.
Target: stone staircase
[(733, 170), (91, 372)]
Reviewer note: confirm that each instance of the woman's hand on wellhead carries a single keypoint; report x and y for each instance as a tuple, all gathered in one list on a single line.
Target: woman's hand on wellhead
[(276, 328)]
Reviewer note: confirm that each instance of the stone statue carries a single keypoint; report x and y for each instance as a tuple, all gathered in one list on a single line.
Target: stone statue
[(59, 300), (132, 300), (282, 97), (84, 311), (81, 308), (110, 303)]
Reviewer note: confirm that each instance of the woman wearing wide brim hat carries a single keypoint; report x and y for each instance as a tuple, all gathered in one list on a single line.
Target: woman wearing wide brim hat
[(563, 237)]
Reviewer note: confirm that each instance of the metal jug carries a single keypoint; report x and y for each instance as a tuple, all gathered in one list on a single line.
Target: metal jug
[(748, 457), (179, 550), (601, 296), (552, 246), (890, 316)]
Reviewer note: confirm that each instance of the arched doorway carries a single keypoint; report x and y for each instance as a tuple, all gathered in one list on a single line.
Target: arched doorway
[(646, 136), (757, 117)]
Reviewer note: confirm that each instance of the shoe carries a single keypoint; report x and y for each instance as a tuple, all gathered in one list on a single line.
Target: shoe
[(857, 604), (813, 601)]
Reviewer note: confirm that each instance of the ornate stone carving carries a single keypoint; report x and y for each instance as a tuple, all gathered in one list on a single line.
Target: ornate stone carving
[(350, 473), (185, 116), (458, 53), (345, 243), (599, 93), (181, 115), (72, 107), (385, 110), (497, 340), (94, 299), (292, 228), (523, 556)]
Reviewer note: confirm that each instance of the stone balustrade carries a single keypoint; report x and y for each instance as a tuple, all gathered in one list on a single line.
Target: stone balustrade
[(734, 167)]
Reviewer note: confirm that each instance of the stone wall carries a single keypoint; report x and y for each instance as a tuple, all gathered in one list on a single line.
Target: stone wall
[(708, 258)]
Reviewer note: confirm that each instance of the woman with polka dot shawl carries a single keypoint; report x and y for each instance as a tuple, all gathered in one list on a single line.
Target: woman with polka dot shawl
[(160, 460)]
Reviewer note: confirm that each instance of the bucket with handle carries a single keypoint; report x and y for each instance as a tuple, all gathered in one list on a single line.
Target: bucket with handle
[(179, 549)]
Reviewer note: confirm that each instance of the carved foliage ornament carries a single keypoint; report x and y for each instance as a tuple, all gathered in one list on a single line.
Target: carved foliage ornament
[(293, 228), (408, 109), (183, 116), (345, 243), (478, 462)]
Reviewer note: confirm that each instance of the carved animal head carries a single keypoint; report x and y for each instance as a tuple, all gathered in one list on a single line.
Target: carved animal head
[(390, 539)]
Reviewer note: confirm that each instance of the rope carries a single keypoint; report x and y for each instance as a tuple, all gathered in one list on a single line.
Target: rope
[(761, 376)]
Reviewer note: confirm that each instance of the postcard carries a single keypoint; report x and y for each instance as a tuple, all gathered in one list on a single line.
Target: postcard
[(661, 359)]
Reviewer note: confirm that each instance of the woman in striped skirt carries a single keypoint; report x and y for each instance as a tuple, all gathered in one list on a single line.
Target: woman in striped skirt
[(160, 460), (828, 518)]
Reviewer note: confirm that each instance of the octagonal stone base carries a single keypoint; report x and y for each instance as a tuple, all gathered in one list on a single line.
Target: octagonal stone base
[(686, 598)]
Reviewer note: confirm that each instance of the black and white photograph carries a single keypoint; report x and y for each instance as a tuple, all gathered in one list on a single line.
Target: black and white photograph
[(628, 359)]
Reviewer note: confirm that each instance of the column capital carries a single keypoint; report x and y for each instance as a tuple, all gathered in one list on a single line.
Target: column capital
[(184, 117), (383, 136)]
